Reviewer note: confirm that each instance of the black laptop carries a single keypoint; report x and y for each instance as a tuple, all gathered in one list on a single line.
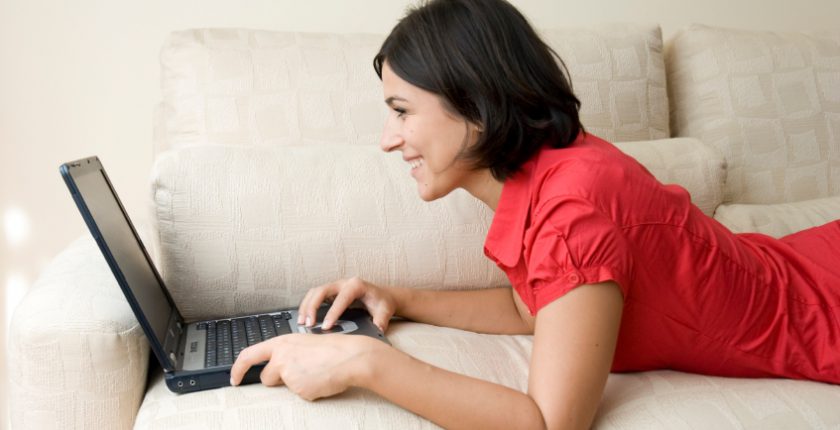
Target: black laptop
[(195, 355)]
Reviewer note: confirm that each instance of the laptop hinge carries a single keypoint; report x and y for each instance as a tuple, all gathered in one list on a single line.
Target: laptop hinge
[(175, 330)]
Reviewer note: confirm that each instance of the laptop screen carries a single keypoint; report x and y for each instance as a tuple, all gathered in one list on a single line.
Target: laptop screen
[(126, 248)]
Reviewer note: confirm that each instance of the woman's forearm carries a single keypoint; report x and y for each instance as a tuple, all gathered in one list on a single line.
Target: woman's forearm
[(489, 310), (448, 399)]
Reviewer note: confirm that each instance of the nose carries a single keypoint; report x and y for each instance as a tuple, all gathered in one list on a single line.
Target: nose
[(390, 142), (391, 137)]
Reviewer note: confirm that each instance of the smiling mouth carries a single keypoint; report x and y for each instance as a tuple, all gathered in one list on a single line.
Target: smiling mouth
[(415, 163)]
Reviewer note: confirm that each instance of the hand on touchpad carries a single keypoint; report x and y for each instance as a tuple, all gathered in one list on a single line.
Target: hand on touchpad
[(340, 326), (318, 330)]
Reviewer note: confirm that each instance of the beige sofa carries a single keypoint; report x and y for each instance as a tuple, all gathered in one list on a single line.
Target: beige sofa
[(268, 181)]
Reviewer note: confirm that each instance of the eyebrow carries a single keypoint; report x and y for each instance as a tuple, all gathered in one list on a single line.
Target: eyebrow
[(390, 100)]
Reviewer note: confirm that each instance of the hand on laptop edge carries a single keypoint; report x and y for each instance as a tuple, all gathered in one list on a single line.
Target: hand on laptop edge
[(312, 366)]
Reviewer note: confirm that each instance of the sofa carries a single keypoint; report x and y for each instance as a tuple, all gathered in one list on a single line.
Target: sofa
[(268, 180)]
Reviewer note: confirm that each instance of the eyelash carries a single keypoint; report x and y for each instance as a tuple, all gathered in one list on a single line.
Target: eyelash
[(400, 112)]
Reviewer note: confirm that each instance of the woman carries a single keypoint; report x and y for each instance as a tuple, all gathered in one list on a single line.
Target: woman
[(611, 270)]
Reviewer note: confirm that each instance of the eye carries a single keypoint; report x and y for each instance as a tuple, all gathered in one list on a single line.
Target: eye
[(400, 112)]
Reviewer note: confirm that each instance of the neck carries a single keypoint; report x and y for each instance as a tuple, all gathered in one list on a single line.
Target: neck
[(485, 188)]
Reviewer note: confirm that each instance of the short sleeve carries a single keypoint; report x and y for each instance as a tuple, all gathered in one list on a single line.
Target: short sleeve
[(570, 243)]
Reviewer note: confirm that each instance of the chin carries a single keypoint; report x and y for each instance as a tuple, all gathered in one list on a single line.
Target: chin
[(428, 194), (428, 197)]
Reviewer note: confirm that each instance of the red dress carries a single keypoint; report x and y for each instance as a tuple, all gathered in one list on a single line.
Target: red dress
[(697, 297)]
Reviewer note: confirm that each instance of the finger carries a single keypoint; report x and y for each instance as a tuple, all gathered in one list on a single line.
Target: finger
[(381, 319), (305, 304), (302, 306), (380, 312), (271, 373), (314, 301), (249, 356), (342, 301)]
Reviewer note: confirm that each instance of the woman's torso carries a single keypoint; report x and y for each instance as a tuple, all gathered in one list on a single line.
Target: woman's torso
[(701, 299)]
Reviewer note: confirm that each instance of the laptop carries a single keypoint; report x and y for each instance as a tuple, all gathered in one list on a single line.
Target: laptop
[(194, 355)]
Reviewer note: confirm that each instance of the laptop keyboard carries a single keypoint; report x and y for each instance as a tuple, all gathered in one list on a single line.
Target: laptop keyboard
[(227, 338)]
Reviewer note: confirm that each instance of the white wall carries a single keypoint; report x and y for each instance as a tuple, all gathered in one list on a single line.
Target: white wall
[(80, 78)]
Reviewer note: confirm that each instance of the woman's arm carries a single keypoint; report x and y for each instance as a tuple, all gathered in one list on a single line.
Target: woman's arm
[(574, 343), (495, 310), (492, 310)]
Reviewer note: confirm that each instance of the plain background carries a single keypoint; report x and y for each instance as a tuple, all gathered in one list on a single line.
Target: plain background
[(81, 78)]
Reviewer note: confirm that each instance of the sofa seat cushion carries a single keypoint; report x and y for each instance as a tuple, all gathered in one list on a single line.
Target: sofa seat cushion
[(666, 400), (770, 101), (501, 359), (271, 88), (649, 400), (780, 219)]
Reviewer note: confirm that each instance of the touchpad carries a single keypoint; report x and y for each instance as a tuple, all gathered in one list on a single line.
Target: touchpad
[(340, 326), (319, 330)]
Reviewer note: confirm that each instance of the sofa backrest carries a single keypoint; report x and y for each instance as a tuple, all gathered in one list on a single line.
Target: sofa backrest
[(265, 88), (245, 228), (769, 101)]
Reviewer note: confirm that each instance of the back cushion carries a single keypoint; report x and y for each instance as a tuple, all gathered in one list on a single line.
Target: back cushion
[(780, 219), (769, 101), (265, 88), (243, 229), (246, 229)]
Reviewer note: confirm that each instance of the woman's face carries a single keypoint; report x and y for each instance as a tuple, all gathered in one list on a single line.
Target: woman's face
[(430, 137)]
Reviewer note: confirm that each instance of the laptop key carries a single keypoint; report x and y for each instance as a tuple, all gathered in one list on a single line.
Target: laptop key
[(223, 347), (238, 337), (281, 326), (252, 330), (210, 346), (266, 327)]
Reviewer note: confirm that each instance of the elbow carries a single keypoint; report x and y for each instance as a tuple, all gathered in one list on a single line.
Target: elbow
[(536, 418), (565, 419)]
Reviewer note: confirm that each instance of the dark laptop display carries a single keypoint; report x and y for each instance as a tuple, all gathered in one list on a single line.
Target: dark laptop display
[(194, 355), (111, 226)]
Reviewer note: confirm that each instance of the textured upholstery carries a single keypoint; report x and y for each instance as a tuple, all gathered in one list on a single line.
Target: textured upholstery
[(77, 356), (264, 88), (769, 101), (269, 88), (618, 73), (244, 229), (780, 219), (667, 400), (698, 167), (651, 400), (502, 359)]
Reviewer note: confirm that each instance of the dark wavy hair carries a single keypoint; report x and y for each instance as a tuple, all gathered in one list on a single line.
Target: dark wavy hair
[(489, 66)]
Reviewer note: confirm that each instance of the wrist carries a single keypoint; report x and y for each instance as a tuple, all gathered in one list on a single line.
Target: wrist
[(369, 358), (400, 296)]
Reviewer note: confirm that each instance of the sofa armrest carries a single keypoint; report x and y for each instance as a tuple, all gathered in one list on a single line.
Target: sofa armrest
[(77, 356)]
